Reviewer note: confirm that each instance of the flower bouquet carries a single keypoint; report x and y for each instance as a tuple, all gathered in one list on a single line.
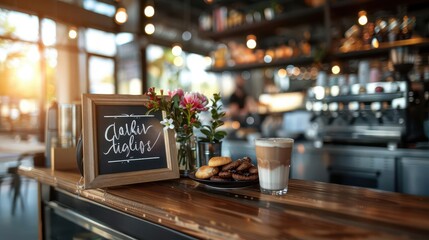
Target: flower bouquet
[(182, 115)]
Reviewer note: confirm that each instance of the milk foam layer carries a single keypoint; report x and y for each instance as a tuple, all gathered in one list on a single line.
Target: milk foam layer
[(274, 179), (274, 142)]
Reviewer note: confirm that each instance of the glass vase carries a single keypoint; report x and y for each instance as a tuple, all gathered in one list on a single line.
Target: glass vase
[(207, 150), (186, 153)]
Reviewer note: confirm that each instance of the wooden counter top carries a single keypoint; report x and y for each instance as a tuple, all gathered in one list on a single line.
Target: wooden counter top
[(310, 210)]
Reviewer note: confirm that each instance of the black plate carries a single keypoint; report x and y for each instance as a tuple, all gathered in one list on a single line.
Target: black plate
[(224, 184)]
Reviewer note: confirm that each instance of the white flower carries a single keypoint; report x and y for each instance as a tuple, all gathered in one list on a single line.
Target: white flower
[(168, 123)]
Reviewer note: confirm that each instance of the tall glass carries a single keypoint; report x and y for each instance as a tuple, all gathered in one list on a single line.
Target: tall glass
[(274, 156)]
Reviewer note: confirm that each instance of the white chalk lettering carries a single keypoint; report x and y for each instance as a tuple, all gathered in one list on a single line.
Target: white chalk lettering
[(117, 137)]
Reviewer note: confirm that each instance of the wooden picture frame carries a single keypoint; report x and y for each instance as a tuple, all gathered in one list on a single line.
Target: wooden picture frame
[(122, 144)]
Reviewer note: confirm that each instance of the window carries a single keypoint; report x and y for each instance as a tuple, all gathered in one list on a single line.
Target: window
[(129, 67), (49, 31), (101, 65), (101, 72), (166, 71), (72, 65), (99, 7), (19, 25), (51, 57), (20, 75), (100, 42)]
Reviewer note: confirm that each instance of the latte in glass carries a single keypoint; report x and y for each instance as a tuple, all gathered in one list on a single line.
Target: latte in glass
[(274, 156)]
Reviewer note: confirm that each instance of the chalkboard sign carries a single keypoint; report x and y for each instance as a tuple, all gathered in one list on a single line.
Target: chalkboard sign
[(124, 145)]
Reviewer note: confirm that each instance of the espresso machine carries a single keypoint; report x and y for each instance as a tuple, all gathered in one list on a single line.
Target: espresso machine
[(358, 111)]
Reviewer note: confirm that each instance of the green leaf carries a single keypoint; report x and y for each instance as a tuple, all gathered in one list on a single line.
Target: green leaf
[(219, 135), (205, 131), (216, 114)]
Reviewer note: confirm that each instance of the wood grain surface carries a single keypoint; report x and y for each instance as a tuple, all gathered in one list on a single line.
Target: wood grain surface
[(310, 210)]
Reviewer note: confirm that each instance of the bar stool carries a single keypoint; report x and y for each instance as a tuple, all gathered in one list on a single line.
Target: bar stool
[(17, 183)]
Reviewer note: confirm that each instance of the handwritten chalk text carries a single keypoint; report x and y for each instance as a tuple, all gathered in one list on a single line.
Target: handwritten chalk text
[(115, 135)]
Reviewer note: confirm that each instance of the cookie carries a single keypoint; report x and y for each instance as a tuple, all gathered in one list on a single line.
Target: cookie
[(225, 174), (245, 177), (244, 166), (231, 165), (205, 172), (219, 161)]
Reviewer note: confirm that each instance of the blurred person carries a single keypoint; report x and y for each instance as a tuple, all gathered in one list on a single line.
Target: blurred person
[(240, 104)]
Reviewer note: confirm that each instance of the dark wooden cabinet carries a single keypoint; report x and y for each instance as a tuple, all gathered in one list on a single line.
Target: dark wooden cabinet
[(69, 216)]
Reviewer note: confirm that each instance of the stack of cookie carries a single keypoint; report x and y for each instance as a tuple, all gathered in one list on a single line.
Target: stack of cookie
[(224, 169)]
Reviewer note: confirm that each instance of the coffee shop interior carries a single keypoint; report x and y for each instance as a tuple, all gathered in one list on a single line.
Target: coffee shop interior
[(348, 80)]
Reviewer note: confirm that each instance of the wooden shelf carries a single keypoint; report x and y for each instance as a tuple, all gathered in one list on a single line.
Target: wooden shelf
[(324, 15), (383, 50), (347, 8), (309, 15), (274, 63), (293, 18)]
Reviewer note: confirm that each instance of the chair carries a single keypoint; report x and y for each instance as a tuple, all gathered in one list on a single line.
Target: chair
[(17, 182)]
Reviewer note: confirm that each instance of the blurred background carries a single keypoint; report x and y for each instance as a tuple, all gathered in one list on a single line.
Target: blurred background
[(347, 79)]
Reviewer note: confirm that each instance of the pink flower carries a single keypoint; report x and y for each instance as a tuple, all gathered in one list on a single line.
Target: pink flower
[(179, 92), (181, 108), (195, 102)]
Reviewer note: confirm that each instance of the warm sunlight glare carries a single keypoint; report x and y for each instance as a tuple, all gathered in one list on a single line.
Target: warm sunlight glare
[(25, 73)]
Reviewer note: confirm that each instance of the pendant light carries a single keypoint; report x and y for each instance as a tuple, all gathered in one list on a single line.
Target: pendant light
[(149, 12), (72, 33), (121, 15), (149, 29)]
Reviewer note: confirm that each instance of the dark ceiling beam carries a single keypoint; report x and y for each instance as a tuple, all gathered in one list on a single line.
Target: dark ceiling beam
[(167, 20), (63, 12), (170, 16), (177, 8), (110, 2), (188, 47)]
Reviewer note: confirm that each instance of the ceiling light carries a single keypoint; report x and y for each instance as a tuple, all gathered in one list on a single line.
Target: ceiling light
[(121, 15), (72, 33), (363, 19), (149, 11), (149, 29), (336, 69), (251, 41), (176, 50)]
